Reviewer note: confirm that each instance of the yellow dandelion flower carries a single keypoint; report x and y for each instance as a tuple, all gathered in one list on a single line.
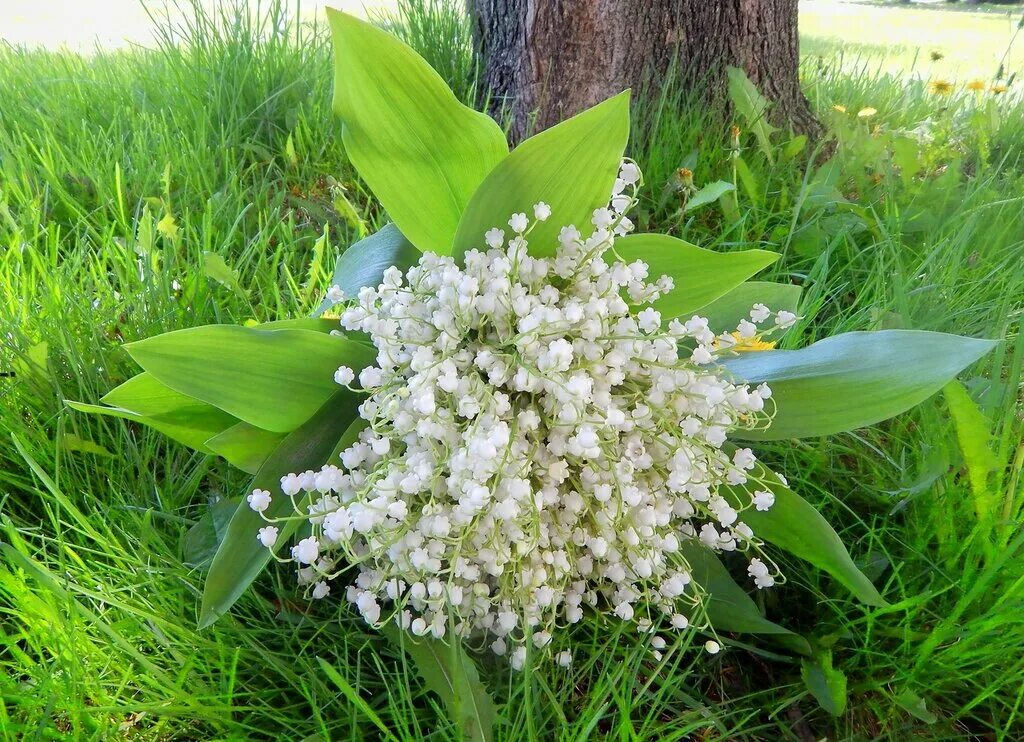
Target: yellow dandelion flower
[(837, 107), (941, 87), (976, 85), (866, 112), (747, 345), (997, 88)]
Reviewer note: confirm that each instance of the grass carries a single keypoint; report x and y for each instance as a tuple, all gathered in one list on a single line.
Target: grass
[(122, 175), (968, 41)]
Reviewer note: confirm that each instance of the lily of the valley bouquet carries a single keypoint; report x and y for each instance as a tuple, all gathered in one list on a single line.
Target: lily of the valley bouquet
[(522, 412)]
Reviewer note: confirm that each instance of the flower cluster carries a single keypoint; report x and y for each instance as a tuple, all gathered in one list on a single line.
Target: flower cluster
[(538, 440)]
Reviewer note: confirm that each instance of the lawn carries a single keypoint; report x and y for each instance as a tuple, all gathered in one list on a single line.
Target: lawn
[(148, 190), (930, 40)]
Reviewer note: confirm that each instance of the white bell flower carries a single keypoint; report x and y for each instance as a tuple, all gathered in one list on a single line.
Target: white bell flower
[(540, 442)]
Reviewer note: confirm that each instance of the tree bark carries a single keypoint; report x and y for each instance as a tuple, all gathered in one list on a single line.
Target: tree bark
[(545, 60)]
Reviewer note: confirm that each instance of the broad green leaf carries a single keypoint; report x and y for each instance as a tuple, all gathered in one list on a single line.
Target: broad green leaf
[(700, 275), (974, 436), (729, 607), (241, 557), (301, 323), (448, 671), (422, 152), (364, 263), (146, 395), (826, 684), (205, 421), (795, 526), (145, 400), (856, 379), (708, 195), (245, 446), (244, 371), (725, 312), (350, 436), (752, 107), (571, 167)]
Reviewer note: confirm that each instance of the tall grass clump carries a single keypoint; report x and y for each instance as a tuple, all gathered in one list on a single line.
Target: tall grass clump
[(203, 181)]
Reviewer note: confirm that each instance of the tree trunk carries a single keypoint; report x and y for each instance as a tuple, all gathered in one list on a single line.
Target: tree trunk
[(545, 60)]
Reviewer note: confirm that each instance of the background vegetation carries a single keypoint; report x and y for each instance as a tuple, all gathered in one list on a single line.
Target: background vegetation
[(147, 190)]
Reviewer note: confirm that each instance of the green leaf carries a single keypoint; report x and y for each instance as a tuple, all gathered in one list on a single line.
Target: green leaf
[(354, 698), (725, 312), (364, 263), (422, 152), (700, 275), (245, 446), (729, 607), (916, 706), (146, 395), (571, 167), (204, 421), (753, 107), (448, 671), (215, 267), (202, 540), (906, 155), (241, 557), (856, 379), (34, 363), (794, 147), (974, 436), (300, 323), (826, 684), (243, 371), (143, 399), (708, 195), (795, 526), (750, 182), (348, 212), (289, 152), (74, 444)]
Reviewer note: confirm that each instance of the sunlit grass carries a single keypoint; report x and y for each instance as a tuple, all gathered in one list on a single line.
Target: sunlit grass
[(930, 40), (98, 610)]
